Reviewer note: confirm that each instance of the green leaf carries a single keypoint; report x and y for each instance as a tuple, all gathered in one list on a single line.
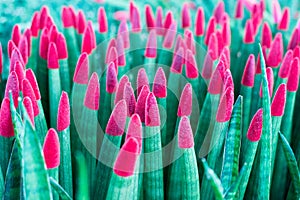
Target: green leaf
[(82, 189), (62, 193), (1, 184)]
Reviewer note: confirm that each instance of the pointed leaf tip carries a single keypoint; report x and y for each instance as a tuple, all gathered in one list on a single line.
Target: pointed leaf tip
[(51, 149), (135, 130), (141, 102), (185, 102), (111, 79), (211, 27), (102, 20), (276, 51), (159, 87), (185, 16), (28, 92), (293, 79), (216, 83), (88, 42), (285, 65), (92, 95), (63, 113), (6, 125), (278, 103), (16, 34), (52, 57), (29, 109), (61, 45), (121, 51), (35, 26), (67, 17), (170, 36), (185, 134), (213, 46), (151, 46), (152, 117), (159, 21), (255, 128), (225, 107), (33, 82), (149, 17), (177, 63), (207, 69), (12, 85), (285, 20), (142, 79), (44, 44), (266, 37), (128, 95), (249, 32), (200, 20), (191, 65), (117, 120), (270, 79), (19, 69), (81, 22), (120, 89), (239, 11), (249, 72), (81, 74)]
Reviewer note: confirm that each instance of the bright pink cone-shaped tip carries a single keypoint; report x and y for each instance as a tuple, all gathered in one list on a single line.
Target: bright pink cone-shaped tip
[(270, 79), (219, 11), (135, 130), (185, 134), (27, 34), (249, 72), (185, 16), (211, 27), (142, 79), (123, 31), (102, 20), (12, 85), (258, 67), (23, 47), (293, 79), (35, 24), (296, 52), (176, 66), (151, 46), (141, 102), (52, 57), (149, 17), (63, 113), (120, 90), (117, 121), (67, 17), (249, 32), (81, 22), (43, 17), (278, 103), (51, 149), (189, 40), (276, 51), (33, 82), (159, 21), (207, 66), (216, 83), (168, 20), (88, 41), (228, 80), (81, 74), (185, 103), (255, 128), (6, 125), (92, 94), (266, 37), (113, 57), (112, 43), (53, 33), (294, 39), (170, 36), (213, 46), (191, 65), (111, 79), (16, 34), (159, 87), (61, 46), (226, 33), (28, 92), (200, 21), (44, 43), (225, 106), (239, 11), (127, 157), (29, 109), (135, 19), (121, 51), (129, 97), (15, 57), (285, 20), (19, 69), (285, 65), (152, 117), (10, 47)]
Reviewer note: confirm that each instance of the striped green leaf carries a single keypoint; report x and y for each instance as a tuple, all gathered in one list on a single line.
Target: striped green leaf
[(62, 193)]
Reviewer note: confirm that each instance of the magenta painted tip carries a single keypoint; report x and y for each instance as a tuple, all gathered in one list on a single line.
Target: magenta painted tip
[(51, 149), (255, 128), (266, 37), (102, 20), (151, 46), (249, 72), (168, 20), (152, 117), (112, 43), (170, 36), (142, 79), (220, 42), (23, 48), (80, 22), (129, 97), (278, 103), (191, 65), (249, 32), (216, 83), (226, 33), (213, 46), (276, 51), (16, 34), (225, 106), (15, 57), (52, 57), (185, 102), (74, 16), (228, 80), (127, 157), (44, 43), (1, 60), (159, 21), (159, 87), (225, 58), (88, 43), (49, 22), (293, 79), (276, 11), (219, 10), (211, 27), (10, 47), (111, 79), (185, 16), (207, 66), (141, 102), (81, 74), (185, 134), (200, 21), (294, 39), (44, 13), (149, 17), (29, 92), (296, 52), (120, 89), (67, 17), (189, 40), (35, 24), (117, 121), (135, 19), (177, 63), (92, 95), (239, 10), (123, 31), (179, 43), (285, 20), (63, 113), (6, 125), (29, 109), (113, 57), (33, 82), (12, 85), (27, 34), (53, 33), (121, 51), (135, 130), (270, 79), (61, 45), (19, 69), (285, 65)]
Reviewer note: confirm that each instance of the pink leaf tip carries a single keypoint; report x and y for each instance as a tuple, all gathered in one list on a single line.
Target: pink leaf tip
[(185, 16), (81, 22), (52, 57), (249, 32), (255, 128), (120, 89), (67, 17), (35, 24), (216, 83), (135, 130), (152, 117), (185, 134), (159, 21), (228, 80), (270, 79), (113, 57), (278, 103), (168, 20), (225, 106), (151, 46), (33, 82), (128, 95), (135, 18), (111, 78), (117, 121), (1, 60), (170, 36), (28, 92), (285, 20), (81, 74), (285, 65), (141, 102), (92, 94), (15, 57), (88, 40), (44, 43), (239, 11), (200, 21), (19, 69), (249, 72), (63, 113), (51, 149), (16, 35), (6, 125), (293, 79), (142, 79), (102, 20), (177, 63), (159, 87), (29, 109), (23, 47), (61, 45), (276, 11), (124, 33), (219, 11), (10, 47), (213, 46), (185, 102), (127, 157), (207, 69), (266, 37), (149, 17), (276, 51), (12, 85), (293, 43), (211, 27), (121, 51)]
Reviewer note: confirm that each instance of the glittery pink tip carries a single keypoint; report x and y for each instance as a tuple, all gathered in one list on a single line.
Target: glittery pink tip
[(170, 36), (168, 20), (35, 24), (19, 69), (12, 85), (219, 42), (177, 63), (15, 57), (28, 92), (81, 22), (63, 113), (185, 134), (159, 87), (141, 101), (200, 20), (10, 47), (285, 20), (249, 72), (113, 57), (258, 67), (33, 82), (249, 32), (226, 33), (152, 117), (120, 89), (211, 26), (213, 46), (293, 79), (92, 94), (16, 35), (112, 43), (127, 157), (151, 46), (67, 17), (296, 52), (185, 103), (285, 65), (185, 16), (276, 51), (135, 130), (117, 121), (53, 33), (44, 43), (44, 13), (29, 109), (52, 57), (207, 66), (23, 47), (159, 21), (129, 97), (255, 128), (61, 46), (149, 17), (228, 80), (216, 83), (123, 31), (111, 79), (278, 103), (102, 20), (142, 79), (225, 106), (121, 51), (266, 37), (224, 59), (219, 11), (294, 39), (27, 34), (135, 19), (51, 149), (270, 78), (276, 11), (88, 41), (239, 11), (189, 40), (6, 125), (81, 75), (1, 60)]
